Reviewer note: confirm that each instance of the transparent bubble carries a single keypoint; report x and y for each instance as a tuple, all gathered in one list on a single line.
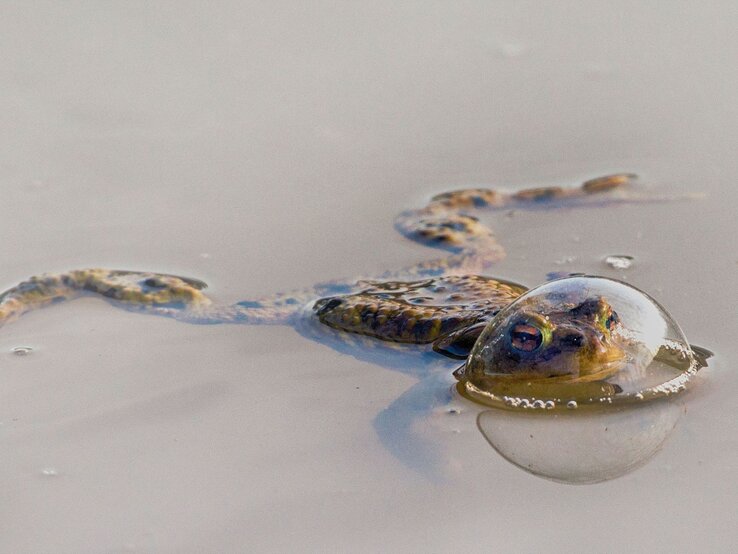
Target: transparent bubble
[(571, 447), (579, 341)]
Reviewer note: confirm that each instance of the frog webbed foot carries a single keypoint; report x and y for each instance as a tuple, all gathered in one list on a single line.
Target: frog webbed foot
[(144, 290)]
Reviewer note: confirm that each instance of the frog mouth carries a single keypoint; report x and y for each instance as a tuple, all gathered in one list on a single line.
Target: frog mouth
[(585, 373), (598, 371)]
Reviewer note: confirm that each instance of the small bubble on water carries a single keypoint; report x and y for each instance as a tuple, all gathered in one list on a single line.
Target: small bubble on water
[(538, 404), (550, 404), (572, 404), (22, 350), (49, 472), (639, 396), (620, 261)]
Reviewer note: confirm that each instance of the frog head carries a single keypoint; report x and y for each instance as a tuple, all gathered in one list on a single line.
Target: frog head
[(581, 340), (562, 340), (570, 341)]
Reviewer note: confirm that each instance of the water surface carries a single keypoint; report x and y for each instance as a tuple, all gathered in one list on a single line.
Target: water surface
[(266, 146)]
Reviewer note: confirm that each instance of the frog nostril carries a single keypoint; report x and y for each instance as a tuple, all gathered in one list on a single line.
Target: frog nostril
[(575, 340)]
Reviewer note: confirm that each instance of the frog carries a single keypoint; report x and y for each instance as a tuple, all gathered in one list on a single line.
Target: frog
[(445, 302), (435, 308)]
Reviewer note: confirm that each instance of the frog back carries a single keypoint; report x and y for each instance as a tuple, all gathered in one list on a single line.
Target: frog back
[(417, 311)]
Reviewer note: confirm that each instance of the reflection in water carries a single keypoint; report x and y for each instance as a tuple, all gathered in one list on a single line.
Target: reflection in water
[(580, 448)]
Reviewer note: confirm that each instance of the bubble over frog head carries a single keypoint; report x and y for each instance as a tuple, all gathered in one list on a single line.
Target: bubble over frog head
[(578, 340)]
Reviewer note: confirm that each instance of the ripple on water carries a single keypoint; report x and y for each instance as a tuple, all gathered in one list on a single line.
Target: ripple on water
[(22, 350)]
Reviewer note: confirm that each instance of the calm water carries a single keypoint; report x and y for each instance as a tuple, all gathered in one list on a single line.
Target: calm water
[(264, 147)]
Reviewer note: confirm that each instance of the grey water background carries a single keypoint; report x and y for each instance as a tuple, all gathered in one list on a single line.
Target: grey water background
[(269, 146)]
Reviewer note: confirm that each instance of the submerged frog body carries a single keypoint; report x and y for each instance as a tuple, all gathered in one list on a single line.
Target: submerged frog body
[(446, 302)]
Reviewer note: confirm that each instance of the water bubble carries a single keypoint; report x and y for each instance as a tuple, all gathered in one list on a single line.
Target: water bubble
[(642, 352), (49, 472), (573, 448), (619, 261), (22, 350)]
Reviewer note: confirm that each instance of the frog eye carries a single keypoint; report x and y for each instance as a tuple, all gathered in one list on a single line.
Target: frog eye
[(612, 320), (525, 337)]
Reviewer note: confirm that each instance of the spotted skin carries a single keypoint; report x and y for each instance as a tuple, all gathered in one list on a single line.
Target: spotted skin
[(417, 312), (434, 299)]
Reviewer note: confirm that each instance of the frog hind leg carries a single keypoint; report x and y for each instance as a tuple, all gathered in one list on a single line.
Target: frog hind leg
[(131, 289), (448, 222), (174, 296)]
